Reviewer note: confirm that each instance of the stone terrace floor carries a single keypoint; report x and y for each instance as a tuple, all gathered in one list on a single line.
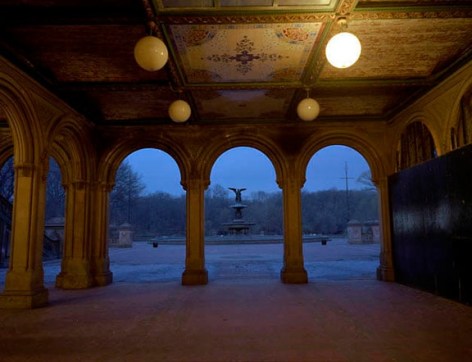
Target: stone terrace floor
[(244, 314)]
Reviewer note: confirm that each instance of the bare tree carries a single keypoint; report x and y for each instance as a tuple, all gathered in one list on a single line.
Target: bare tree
[(365, 178), (127, 190), (55, 194)]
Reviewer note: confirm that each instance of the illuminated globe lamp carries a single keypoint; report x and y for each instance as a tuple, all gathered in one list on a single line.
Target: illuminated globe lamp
[(179, 111), (343, 49), (150, 53), (308, 109)]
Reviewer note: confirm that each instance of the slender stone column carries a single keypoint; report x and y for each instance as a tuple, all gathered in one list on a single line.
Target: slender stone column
[(385, 271), (293, 270), (195, 272), (75, 270), (24, 284), (100, 261)]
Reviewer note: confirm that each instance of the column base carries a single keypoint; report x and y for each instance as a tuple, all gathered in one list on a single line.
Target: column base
[(385, 274), (73, 281), (17, 299), (294, 276), (102, 280), (195, 277)]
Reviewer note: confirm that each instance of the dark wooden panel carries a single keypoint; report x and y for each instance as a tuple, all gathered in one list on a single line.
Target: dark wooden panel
[(431, 209)]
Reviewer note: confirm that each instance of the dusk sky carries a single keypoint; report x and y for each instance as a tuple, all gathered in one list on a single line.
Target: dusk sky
[(249, 168)]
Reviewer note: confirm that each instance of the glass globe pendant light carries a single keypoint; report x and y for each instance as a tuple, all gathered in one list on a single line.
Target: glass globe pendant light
[(150, 53), (343, 49), (308, 109), (179, 111)]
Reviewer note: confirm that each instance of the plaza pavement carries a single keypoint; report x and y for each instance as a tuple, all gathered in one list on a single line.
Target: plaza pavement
[(337, 260)]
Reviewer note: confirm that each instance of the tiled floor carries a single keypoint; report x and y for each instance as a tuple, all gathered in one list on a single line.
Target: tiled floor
[(244, 314)]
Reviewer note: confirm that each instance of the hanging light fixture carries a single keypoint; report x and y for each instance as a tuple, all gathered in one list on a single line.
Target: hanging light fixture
[(179, 111), (150, 53), (308, 109), (343, 49)]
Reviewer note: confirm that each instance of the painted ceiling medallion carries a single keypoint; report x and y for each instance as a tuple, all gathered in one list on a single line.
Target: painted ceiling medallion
[(244, 56)]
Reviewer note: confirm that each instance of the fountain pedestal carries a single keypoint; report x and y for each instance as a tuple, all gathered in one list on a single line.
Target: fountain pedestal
[(238, 226)]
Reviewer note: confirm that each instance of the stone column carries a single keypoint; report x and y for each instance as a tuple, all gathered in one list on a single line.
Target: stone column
[(24, 284), (195, 272), (293, 270), (385, 271), (100, 261), (75, 269)]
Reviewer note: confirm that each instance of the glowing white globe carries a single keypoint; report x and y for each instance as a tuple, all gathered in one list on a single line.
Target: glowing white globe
[(343, 50), (150, 53), (308, 109), (179, 111)]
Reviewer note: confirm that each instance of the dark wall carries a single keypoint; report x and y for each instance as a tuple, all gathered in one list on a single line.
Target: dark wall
[(431, 210)]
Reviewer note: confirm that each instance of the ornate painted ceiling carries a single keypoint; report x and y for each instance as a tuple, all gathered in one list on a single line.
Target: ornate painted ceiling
[(236, 61)]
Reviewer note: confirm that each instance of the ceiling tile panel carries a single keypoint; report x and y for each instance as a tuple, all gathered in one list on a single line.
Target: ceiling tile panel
[(240, 104), (364, 105), (241, 53), (404, 48), (141, 104), (86, 53)]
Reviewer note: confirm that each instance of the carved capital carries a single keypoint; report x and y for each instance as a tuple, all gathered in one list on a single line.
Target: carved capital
[(25, 169), (79, 184), (195, 183), (290, 182)]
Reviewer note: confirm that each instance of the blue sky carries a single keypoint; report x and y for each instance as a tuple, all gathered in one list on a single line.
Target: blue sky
[(246, 167)]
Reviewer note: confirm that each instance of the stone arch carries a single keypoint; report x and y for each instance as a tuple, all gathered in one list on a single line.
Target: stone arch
[(418, 131), (25, 129), (381, 165), (70, 146), (262, 144), (461, 108), (377, 166), (116, 154)]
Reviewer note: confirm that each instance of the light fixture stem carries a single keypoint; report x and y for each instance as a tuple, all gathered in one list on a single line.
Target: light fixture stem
[(151, 23), (342, 22)]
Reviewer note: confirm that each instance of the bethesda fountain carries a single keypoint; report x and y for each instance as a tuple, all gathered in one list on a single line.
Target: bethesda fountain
[(238, 226)]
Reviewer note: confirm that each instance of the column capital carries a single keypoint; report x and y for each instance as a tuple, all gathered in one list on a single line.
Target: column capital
[(25, 169), (291, 182), (101, 185), (77, 184), (195, 183)]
